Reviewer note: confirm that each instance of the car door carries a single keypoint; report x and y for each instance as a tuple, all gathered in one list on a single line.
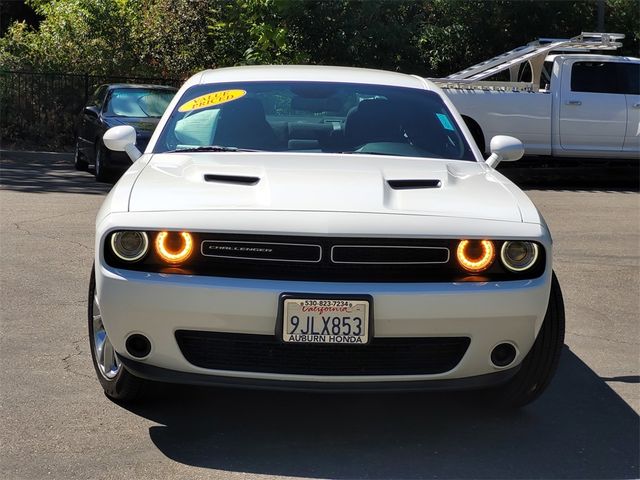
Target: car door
[(592, 110), (90, 122), (630, 74)]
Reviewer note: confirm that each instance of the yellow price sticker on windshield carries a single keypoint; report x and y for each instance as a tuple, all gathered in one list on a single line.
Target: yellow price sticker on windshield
[(211, 99)]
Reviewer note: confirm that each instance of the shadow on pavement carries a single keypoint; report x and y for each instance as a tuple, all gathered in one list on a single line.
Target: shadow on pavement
[(543, 173), (579, 428), (47, 173)]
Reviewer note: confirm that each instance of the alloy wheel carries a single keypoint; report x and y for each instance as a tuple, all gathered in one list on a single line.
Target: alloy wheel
[(106, 358)]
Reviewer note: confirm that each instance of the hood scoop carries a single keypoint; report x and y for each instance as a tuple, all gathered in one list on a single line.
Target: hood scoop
[(231, 179), (414, 184), (321, 183)]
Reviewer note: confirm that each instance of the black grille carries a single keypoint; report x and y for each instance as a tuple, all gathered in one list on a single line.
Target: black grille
[(265, 353), (262, 251), (309, 258), (372, 254)]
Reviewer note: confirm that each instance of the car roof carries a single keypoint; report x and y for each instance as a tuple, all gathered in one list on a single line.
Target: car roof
[(111, 86), (317, 73), (592, 57)]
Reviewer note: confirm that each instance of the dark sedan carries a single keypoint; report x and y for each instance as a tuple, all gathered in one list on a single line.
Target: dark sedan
[(140, 106)]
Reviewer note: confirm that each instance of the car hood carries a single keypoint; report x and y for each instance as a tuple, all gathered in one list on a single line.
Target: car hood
[(324, 182)]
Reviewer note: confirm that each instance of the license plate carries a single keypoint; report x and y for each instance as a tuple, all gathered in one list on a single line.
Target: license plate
[(313, 320)]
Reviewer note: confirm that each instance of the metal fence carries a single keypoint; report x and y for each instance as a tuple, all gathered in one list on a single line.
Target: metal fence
[(41, 110)]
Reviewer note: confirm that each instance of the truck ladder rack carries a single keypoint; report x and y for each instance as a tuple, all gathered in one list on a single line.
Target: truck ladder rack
[(535, 53)]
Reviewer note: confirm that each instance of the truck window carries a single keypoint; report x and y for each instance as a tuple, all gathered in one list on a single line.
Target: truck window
[(629, 73), (545, 75), (594, 77)]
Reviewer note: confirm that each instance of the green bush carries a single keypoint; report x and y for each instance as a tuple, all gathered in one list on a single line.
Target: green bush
[(176, 38)]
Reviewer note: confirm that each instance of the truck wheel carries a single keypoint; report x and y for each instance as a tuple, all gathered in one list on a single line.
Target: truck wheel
[(117, 382), (476, 133), (540, 364)]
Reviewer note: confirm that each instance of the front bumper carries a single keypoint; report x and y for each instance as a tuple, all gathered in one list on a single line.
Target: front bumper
[(150, 372), (157, 305)]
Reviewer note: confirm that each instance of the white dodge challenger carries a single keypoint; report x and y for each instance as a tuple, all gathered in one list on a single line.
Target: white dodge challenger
[(320, 228)]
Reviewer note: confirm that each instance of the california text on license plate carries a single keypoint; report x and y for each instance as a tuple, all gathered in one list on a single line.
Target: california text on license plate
[(312, 320)]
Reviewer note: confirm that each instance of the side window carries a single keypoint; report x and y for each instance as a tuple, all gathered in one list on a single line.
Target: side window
[(630, 77), (594, 77), (545, 75), (97, 97)]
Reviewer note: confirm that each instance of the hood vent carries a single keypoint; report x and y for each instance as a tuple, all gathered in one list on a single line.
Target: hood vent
[(414, 184), (233, 179)]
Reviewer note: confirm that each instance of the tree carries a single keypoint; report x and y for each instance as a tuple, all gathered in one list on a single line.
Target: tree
[(174, 38), (171, 39), (253, 32), (459, 33), (75, 36)]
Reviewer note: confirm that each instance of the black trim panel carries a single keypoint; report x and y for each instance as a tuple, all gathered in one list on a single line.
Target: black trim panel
[(295, 268), (151, 372), (233, 179), (241, 352), (263, 251), (414, 184), (388, 255)]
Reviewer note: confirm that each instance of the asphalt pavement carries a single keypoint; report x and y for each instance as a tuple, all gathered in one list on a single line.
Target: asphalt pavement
[(56, 423)]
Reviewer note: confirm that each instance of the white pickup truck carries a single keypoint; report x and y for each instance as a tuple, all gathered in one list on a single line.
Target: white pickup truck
[(572, 104)]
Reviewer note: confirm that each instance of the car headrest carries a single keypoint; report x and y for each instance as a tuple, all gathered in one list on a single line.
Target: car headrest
[(373, 120), (247, 109)]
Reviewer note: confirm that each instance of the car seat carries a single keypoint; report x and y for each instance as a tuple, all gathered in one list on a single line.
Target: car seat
[(373, 120), (242, 124)]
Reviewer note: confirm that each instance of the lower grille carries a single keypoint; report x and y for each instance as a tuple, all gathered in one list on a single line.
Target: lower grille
[(265, 353)]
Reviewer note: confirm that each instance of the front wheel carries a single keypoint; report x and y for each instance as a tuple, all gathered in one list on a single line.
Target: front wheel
[(79, 161), (102, 171), (117, 382), (540, 364)]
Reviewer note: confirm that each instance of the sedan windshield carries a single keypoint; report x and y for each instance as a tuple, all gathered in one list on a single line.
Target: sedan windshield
[(314, 117), (137, 102)]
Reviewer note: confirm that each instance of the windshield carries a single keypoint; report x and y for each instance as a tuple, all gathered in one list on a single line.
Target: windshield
[(137, 102), (314, 117)]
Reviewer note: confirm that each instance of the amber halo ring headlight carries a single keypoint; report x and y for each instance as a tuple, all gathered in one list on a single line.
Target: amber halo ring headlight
[(518, 256), (174, 247), (475, 256), (129, 245)]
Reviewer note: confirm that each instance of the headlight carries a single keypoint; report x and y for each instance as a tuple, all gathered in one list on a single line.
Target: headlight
[(518, 256), (476, 255), (129, 246), (174, 247)]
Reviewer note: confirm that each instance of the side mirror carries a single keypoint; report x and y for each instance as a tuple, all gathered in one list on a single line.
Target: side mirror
[(504, 149), (92, 111), (122, 139)]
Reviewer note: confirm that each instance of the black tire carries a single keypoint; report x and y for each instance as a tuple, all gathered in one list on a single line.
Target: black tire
[(102, 170), (79, 161), (123, 387), (540, 364)]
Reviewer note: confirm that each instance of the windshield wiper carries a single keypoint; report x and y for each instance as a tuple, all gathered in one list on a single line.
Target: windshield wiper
[(356, 152), (211, 148)]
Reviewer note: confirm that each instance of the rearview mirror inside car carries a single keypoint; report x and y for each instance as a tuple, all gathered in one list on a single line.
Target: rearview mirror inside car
[(122, 139), (504, 149)]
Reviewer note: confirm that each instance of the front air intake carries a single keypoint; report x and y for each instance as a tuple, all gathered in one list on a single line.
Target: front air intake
[(414, 184), (241, 352), (233, 179)]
